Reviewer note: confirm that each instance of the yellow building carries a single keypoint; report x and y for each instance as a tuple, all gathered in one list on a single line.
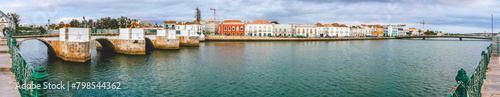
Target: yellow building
[(378, 30)]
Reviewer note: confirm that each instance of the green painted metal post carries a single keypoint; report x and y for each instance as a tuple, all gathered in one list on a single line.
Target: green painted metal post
[(462, 77), (39, 77), (13, 44)]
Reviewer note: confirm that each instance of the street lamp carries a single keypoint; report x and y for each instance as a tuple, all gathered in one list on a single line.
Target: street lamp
[(84, 22), (48, 25)]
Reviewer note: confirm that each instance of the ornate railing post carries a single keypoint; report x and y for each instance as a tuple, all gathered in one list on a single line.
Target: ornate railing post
[(13, 43), (39, 77), (462, 88)]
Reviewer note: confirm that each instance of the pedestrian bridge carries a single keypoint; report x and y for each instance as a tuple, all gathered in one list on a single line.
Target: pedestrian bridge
[(446, 36), (74, 44)]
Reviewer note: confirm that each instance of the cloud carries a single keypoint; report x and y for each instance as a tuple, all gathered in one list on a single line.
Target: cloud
[(452, 15)]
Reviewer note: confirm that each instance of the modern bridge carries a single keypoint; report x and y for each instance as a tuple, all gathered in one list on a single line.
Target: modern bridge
[(446, 36)]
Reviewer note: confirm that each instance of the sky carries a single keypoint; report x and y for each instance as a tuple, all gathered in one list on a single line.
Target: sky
[(453, 16)]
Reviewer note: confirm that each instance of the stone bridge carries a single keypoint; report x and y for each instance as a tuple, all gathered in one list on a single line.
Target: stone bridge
[(74, 44), (446, 36)]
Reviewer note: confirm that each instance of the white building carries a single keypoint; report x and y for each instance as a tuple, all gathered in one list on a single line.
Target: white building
[(305, 30), (402, 29), (321, 30), (191, 26), (211, 27), (390, 30), (169, 24), (337, 30), (4, 22), (283, 29), (259, 28)]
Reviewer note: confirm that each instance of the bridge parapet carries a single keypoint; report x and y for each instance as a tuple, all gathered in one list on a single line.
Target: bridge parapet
[(130, 41), (73, 44), (188, 38), (166, 39)]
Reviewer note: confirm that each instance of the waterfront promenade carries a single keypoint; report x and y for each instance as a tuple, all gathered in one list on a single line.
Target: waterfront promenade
[(7, 78), (247, 38), (491, 85)]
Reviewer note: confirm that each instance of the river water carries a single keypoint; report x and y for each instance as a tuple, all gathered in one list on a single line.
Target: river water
[(290, 68)]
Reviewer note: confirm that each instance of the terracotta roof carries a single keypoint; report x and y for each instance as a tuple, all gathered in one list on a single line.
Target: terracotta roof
[(211, 21), (338, 25), (304, 26), (169, 22), (261, 22), (195, 22), (181, 23), (232, 21), (248, 22), (319, 25), (328, 25)]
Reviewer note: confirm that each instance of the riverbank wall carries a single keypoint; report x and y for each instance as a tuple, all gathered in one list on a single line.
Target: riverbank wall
[(247, 38)]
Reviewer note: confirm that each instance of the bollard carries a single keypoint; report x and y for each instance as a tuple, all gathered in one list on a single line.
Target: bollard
[(39, 77), (462, 88)]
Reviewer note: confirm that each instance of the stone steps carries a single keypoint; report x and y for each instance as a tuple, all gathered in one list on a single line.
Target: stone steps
[(5, 62), (4, 49), (8, 85)]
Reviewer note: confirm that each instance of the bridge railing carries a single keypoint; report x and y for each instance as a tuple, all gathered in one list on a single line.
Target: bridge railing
[(104, 31), (24, 73), (471, 86)]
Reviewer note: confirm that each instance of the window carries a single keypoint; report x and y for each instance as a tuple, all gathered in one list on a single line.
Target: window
[(265, 29), (237, 28), (241, 29), (233, 29), (225, 28)]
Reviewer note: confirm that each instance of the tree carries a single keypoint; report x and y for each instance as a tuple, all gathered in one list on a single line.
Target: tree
[(15, 19), (419, 31), (275, 22), (198, 14), (61, 24), (124, 22), (74, 23), (41, 30), (114, 24), (90, 23)]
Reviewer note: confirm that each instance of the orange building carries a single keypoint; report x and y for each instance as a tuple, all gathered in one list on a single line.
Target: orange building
[(232, 27)]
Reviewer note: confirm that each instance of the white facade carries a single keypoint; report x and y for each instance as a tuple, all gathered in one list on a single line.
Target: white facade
[(75, 34), (283, 29), (321, 31), (4, 23), (339, 31), (259, 29), (131, 34), (306, 30), (390, 30)]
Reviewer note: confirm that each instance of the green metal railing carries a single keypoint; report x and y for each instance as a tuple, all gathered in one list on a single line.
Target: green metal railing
[(24, 72), (104, 31), (471, 86)]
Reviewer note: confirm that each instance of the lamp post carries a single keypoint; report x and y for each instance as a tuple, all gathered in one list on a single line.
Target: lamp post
[(84, 25), (48, 25)]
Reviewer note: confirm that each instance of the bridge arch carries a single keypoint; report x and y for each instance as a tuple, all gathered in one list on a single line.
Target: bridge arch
[(149, 45), (106, 44), (50, 48)]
